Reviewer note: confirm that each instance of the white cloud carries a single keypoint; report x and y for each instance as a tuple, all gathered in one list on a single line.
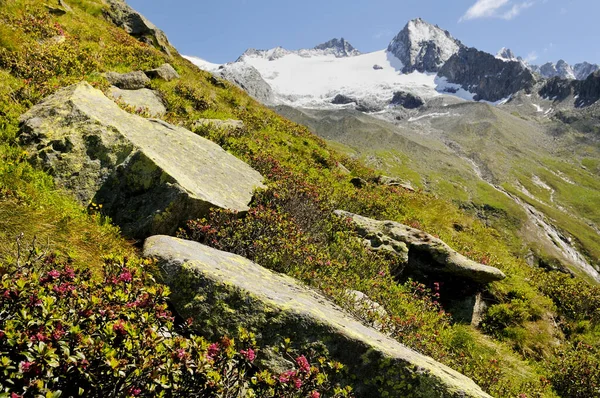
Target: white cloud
[(532, 56), (505, 9)]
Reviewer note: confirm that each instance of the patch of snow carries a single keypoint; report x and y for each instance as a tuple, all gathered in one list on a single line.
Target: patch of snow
[(202, 64), (539, 108), (433, 114)]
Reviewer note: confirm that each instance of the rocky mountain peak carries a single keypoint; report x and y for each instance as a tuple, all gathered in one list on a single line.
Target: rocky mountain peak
[(338, 47), (423, 47), (561, 69), (584, 69), (506, 54)]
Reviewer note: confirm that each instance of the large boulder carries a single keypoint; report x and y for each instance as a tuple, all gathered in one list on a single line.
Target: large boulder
[(419, 249), (223, 291), (128, 81), (249, 79), (136, 25), (149, 176), (142, 99), (165, 72)]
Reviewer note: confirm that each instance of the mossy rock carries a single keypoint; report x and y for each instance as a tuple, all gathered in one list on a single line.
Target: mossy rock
[(222, 292), (147, 175)]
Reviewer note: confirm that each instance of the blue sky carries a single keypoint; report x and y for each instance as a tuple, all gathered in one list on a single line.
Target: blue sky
[(221, 30)]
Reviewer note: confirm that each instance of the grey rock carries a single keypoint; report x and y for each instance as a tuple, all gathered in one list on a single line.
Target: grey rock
[(149, 176), (248, 79), (368, 311), (142, 99), (394, 182), (377, 67), (59, 7), (128, 81), (423, 47), (134, 23), (165, 72), (338, 47), (406, 100), (223, 291), (342, 99), (490, 78), (419, 249), (228, 125)]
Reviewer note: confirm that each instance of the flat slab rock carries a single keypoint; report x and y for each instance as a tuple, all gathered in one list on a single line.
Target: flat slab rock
[(434, 254), (142, 99), (222, 291), (149, 176)]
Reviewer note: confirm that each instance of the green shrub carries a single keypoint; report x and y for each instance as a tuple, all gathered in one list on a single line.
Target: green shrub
[(64, 332)]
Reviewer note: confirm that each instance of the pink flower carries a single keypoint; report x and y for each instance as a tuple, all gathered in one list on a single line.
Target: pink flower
[(25, 366), (125, 276), (315, 394), (297, 383), (213, 350), (69, 273), (135, 391), (303, 364), (54, 274), (180, 353), (249, 354), (285, 377), (119, 328)]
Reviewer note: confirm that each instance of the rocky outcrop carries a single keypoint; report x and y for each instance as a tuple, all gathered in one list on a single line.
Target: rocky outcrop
[(488, 77), (338, 47), (165, 72), (149, 176), (341, 99), (223, 291), (394, 182), (136, 25), (584, 92), (423, 47), (59, 7), (142, 99), (420, 250), (406, 100), (248, 79), (128, 81)]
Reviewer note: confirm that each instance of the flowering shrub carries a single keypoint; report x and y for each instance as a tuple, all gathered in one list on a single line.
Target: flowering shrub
[(64, 332)]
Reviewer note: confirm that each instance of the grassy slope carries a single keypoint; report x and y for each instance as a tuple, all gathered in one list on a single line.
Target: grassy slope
[(30, 70)]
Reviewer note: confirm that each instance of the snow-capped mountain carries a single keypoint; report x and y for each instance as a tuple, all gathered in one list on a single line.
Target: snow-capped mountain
[(339, 48), (506, 54), (422, 62), (584, 69), (423, 47), (560, 69)]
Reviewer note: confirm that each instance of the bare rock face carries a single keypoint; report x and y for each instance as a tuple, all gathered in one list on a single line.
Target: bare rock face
[(149, 176), (136, 25), (222, 291), (490, 78), (420, 249)]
